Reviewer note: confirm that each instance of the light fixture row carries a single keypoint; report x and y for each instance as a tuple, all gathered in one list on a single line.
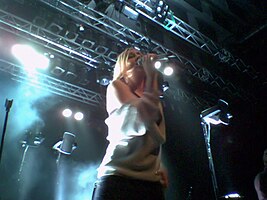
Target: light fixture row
[(68, 113)]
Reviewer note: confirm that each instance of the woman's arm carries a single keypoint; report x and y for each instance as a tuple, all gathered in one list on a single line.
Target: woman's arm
[(147, 106)]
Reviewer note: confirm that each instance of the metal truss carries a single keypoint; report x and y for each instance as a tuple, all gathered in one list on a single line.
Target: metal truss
[(194, 37), (77, 93), (44, 37), (87, 52), (51, 84), (90, 55), (106, 25)]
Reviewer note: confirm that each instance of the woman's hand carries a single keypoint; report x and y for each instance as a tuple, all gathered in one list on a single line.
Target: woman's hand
[(163, 178), (148, 62), (151, 83)]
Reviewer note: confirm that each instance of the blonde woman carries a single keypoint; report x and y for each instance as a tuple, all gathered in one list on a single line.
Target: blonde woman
[(131, 168)]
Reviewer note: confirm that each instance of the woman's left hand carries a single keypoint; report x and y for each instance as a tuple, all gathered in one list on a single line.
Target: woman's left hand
[(163, 178)]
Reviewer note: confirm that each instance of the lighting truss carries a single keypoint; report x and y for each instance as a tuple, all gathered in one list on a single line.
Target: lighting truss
[(52, 85), (77, 93), (61, 44), (106, 25), (31, 31), (194, 37), (77, 51)]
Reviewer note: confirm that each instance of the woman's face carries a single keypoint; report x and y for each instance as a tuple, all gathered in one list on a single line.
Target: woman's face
[(135, 72), (133, 56)]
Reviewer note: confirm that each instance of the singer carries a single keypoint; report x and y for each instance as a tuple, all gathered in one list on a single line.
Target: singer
[(131, 168)]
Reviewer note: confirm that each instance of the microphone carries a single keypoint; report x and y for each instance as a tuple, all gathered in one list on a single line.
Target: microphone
[(160, 58)]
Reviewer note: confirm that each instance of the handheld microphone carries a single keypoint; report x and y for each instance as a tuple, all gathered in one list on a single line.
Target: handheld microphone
[(160, 58)]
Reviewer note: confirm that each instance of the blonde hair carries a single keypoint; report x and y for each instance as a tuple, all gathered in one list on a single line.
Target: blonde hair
[(121, 65)]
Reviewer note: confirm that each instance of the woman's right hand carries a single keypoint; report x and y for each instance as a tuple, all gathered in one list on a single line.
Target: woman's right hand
[(151, 84), (148, 62)]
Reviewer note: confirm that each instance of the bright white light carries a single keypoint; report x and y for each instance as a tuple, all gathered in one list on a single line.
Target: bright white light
[(81, 28), (104, 80), (157, 64), (232, 196), (30, 58), (78, 116), (213, 121), (168, 71), (137, 48), (67, 112)]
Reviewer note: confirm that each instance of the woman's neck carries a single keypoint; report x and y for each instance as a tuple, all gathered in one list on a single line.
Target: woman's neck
[(137, 88)]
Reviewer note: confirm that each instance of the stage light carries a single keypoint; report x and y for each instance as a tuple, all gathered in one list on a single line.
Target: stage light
[(161, 64), (161, 11), (104, 77), (67, 145), (168, 71), (217, 114), (78, 116), (104, 80), (129, 12), (55, 28), (164, 68), (157, 64), (67, 112), (29, 57), (32, 139), (232, 196), (71, 31), (214, 115), (121, 7), (165, 86), (81, 28)]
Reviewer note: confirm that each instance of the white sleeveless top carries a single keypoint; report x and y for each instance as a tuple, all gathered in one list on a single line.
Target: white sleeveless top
[(132, 151)]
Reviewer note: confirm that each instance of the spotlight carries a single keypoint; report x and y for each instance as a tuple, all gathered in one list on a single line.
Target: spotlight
[(104, 77), (157, 64), (81, 28), (67, 112), (217, 114), (78, 116), (104, 80), (164, 68), (32, 139), (161, 11), (232, 196), (29, 57), (165, 86), (130, 13), (168, 71), (67, 145), (126, 10), (160, 64), (214, 115), (55, 28), (71, 35)]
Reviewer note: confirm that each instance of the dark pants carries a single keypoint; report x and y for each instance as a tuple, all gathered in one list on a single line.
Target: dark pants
[(121, 188)]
